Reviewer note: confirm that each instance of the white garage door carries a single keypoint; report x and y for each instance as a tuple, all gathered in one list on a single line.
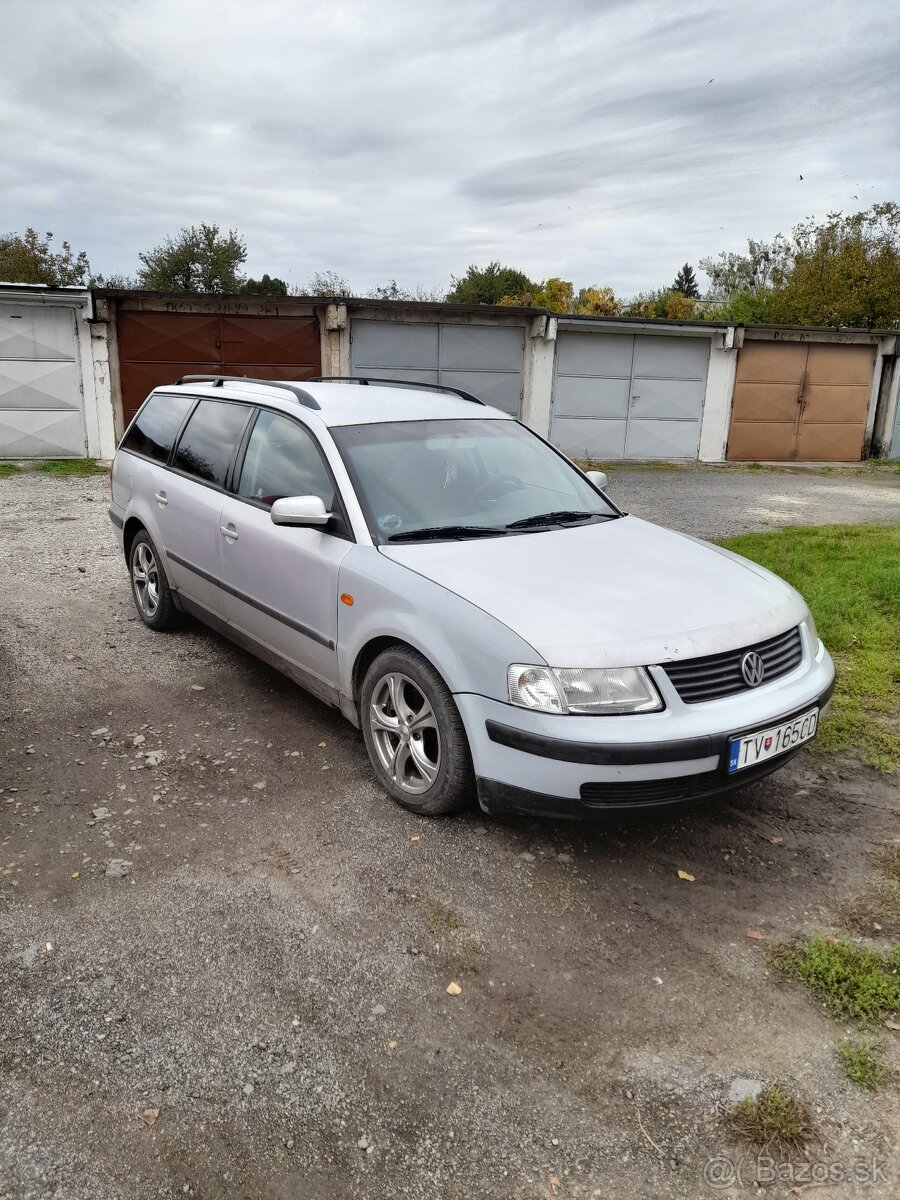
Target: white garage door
[(40, 383), (485, 360), (628, 396)]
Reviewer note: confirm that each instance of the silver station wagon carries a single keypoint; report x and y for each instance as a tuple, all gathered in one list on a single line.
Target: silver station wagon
[(467, 596)]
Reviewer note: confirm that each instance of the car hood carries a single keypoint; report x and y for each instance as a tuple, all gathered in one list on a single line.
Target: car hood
[(613, 594)]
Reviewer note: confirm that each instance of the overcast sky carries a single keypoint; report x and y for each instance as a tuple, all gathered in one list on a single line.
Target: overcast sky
[(606, 141)]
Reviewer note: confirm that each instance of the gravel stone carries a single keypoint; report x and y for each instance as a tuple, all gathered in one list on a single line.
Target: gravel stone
[(214, 966)]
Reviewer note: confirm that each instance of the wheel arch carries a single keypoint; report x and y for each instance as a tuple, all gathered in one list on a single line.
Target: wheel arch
[(131, 529), (370, 651)]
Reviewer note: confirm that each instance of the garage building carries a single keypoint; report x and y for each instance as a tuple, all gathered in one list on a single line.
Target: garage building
[(605, 389), (48, 399)]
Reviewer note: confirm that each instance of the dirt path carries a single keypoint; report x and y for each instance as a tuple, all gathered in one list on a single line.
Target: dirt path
[(270, 970), (720, 502)]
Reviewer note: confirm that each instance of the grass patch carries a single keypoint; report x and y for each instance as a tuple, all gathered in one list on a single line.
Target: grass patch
[(7, 469), (852, 982), (442, 919), (876, 912), (861, 1062), (888, 860), (773, 1118), (850, 576), (64, 467)]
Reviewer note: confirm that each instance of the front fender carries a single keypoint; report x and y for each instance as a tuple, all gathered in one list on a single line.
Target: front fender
[(466, 645)]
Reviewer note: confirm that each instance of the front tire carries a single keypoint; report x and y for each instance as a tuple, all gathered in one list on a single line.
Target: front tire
[(153, 597), (414, 734)]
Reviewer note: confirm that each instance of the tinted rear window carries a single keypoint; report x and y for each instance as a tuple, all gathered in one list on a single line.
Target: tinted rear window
[(156, 426), (209, 439)]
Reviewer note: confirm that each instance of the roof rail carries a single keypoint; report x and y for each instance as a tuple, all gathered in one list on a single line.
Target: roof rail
[(428, 387), (302, 396)]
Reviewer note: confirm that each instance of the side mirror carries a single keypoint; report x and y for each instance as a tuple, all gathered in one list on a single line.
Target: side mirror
[(598, 478), (300, 510)]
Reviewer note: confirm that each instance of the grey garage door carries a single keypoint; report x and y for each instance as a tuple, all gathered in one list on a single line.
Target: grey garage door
[(40, 384), (483, 359), (628, 396)]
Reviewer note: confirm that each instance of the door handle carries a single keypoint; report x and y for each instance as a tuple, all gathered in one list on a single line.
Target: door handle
[(161, 499), (636, 396), (229, 533)]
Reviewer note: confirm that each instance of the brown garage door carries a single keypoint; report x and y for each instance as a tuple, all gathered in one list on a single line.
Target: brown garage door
[(804, 401), (157, 347)]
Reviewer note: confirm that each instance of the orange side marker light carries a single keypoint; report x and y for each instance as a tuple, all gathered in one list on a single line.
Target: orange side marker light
[(347, 599)]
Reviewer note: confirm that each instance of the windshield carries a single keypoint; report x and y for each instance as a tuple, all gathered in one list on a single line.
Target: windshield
[(466, 478)]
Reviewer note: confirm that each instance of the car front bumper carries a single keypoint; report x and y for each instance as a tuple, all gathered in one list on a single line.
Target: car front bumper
[(585, 766)]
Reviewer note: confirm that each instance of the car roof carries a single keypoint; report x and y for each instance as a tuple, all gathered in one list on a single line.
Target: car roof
[(348, 403)]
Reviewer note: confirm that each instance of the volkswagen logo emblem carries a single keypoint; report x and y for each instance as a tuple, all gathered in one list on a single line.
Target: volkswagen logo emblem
[(753, 669)]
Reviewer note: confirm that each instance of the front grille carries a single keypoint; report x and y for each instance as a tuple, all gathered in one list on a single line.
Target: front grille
[(639, 791), (719, 675), (625, 793)]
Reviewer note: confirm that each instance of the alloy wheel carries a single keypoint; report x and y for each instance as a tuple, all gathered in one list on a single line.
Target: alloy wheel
[(145, 579), (405, 733)]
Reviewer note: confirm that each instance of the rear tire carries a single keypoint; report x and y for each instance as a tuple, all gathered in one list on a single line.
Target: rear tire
[(414, 734), (150, 589)]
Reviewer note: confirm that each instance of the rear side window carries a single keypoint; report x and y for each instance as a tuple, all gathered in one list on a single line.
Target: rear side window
[(154, 430), (283, 460), (209, 439)]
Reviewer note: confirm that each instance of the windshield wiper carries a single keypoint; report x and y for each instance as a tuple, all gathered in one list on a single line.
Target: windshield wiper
[(436, 533), (553, 518)]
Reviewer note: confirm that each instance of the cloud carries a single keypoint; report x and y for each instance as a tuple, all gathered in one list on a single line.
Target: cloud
[(393, 138)]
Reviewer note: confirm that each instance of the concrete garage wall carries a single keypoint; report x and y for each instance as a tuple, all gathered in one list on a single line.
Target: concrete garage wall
[(609, 388), (886, 430), (52, 404)]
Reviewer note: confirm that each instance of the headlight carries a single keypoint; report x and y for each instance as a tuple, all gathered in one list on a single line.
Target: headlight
[(811, 630), (595, 690)]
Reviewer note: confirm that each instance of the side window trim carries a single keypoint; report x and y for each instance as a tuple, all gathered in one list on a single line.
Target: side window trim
[(233, 484), (195, 400)]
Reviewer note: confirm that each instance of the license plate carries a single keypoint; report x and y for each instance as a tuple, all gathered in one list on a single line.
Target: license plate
[(754, 748)]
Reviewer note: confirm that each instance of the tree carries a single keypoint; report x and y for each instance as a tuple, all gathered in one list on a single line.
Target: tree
[(492, 284), (763, 267), (267, 286), (429, 294), (29, 258), (116, 281), (686, 283), (200, 259), (328, 283), (556, 294), (843, 271), (598, 302), (663, 304), (677, 306), (390, 291)]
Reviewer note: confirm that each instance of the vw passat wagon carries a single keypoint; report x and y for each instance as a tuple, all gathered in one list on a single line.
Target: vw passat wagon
[(468, 597)]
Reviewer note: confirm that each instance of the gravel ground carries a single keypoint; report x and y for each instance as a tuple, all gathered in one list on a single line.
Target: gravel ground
[(224, 953), (723, 502)]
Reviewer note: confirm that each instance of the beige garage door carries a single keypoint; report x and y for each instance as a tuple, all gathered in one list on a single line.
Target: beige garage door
[(806, 402)]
